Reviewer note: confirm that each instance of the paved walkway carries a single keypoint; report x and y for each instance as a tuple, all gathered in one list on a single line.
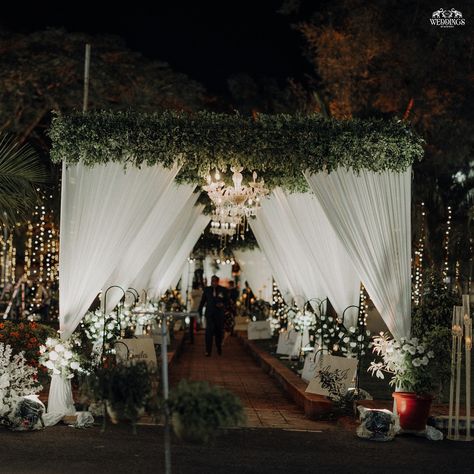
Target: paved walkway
[(265, 403)]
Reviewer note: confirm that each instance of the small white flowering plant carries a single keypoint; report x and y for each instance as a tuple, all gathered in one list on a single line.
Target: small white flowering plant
[(59, 358), (17, 380), (408, 362)]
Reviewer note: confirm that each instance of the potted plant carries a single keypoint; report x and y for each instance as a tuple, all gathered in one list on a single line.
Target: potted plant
[(410, 365), (125, 389), (198, 409)]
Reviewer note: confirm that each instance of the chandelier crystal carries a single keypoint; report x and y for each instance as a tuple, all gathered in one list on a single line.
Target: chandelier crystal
[(233, 204)]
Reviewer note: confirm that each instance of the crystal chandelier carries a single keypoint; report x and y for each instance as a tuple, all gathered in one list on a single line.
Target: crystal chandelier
[(233, 204)]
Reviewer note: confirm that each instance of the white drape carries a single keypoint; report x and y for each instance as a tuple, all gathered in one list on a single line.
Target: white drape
[(326, 254), (275, 258), (101, 209), (60, 401), (153, 238), (371, 214), (283, 231), (185, 234), (255, 269)]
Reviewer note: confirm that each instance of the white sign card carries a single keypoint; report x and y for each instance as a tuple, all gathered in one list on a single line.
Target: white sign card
[(140, 349), (289, 343), (241, 323), (310, 364), (259, 330), (339, 370)]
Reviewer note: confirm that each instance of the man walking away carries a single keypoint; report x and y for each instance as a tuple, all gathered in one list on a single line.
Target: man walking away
[(215, 298)]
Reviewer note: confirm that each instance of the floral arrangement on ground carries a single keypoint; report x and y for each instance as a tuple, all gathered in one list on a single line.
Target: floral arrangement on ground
[(26, 337), (18, 380)]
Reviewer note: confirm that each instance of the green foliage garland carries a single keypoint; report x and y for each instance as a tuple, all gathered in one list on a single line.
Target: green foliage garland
[(279, 147)]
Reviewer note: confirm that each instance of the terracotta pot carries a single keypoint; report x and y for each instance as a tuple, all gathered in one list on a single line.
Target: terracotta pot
[(413, 410)]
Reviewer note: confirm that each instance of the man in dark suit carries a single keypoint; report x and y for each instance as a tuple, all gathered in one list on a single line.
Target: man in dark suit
[(215, 298)]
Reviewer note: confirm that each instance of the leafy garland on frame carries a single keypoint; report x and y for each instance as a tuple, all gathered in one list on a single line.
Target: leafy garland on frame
[(279, 147)]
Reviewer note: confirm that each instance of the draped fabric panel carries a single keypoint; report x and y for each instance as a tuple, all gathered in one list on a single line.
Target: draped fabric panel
[(326, 253), (370, 212), (275, 259), (153, 238), (185, 233), (255, 269), (283, 230), (101, 209)]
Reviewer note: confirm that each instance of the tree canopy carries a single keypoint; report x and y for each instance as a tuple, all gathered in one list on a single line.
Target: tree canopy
[(44, 70)]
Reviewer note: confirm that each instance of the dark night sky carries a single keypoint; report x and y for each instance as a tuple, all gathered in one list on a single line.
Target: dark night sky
[(208, 40)]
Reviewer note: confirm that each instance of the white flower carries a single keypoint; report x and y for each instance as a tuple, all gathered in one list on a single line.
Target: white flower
[(42, 349), (63, 362), (430, 354), (53, 355), (75, 365), (59, 348), (420, 349), (416, 362), (412, 350), (352, 329), (49, 365), (4, 381), (67, 354), (56, 371), (340, 335), (346, 339), (360, 338), (425, 360)]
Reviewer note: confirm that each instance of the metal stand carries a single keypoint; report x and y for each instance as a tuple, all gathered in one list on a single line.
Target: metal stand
[(104, 332)]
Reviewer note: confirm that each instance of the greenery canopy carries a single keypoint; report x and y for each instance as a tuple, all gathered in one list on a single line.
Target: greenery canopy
[(278, 147)]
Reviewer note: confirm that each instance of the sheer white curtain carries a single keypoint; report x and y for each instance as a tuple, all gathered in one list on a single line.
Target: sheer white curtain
[(256, 270), (307, 280), (275, 259), (186, 233), (326, 253), (371, 214), (156, 234), (101, 209)]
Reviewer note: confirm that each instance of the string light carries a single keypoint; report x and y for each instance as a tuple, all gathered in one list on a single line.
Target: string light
[(446, 249), (417, 276), (363, 306)]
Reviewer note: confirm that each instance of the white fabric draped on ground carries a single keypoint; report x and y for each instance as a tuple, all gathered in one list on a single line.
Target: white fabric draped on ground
[(153, 238), (326, 254), (371, 214), (255, 269), (101, 209)]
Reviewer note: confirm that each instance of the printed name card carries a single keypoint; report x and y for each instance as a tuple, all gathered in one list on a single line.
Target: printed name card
[(259, 330), (310, 364), (241, 323), (140, 349), (289, 343), (338, 372)]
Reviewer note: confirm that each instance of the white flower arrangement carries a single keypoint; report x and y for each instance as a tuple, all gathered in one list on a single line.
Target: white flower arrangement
[(406, 360), (17, 380), (59, 358)]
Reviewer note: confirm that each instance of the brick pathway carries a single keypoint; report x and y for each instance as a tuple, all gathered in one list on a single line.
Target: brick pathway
[(265, 403)]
